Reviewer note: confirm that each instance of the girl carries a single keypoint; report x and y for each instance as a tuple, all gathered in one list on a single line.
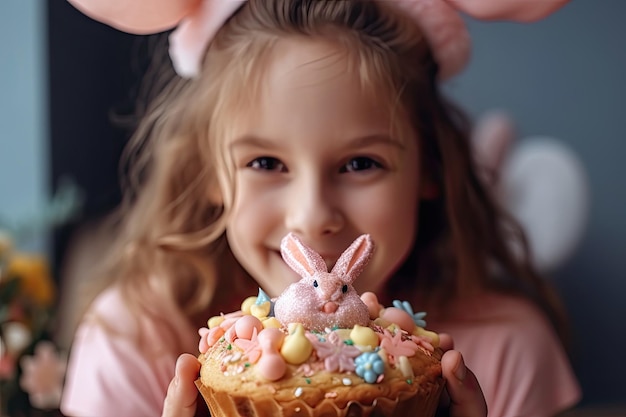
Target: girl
[(321, 118)]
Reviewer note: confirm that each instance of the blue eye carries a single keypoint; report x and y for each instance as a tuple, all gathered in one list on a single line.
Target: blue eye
[(267, 163), (361, 163)]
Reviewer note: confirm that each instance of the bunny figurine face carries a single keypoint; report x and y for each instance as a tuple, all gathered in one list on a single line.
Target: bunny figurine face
[(323, 299)]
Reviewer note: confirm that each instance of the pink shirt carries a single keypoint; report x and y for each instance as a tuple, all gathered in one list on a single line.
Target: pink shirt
[(514, 352), (520, 364), (110, 375)]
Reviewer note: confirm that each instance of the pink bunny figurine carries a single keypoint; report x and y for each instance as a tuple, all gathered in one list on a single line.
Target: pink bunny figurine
[(323, 299)]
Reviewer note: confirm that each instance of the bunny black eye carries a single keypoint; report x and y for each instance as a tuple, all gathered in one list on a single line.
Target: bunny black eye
[(315, 283), (344, 289)]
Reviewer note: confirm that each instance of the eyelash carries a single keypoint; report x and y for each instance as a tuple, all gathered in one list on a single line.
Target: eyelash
[(262, 163), (349, 166), (268, 163)]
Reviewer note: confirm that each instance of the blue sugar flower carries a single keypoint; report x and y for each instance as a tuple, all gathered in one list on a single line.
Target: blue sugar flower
[(369, 365)]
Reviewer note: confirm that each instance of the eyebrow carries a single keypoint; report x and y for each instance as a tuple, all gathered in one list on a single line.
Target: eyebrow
[(357, 142), (376, 139), (252, 141)]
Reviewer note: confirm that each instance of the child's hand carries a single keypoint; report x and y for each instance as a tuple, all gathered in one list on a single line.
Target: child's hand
[(182, 392), (464, 396)]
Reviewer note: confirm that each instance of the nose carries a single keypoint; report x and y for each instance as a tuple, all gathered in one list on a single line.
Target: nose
[(312, 211)]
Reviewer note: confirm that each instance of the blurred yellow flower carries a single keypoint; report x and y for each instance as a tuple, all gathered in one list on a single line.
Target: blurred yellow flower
[(33, 273)]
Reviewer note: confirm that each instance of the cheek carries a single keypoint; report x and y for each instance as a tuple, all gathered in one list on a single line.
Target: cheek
[(253, 213), (393, 225)]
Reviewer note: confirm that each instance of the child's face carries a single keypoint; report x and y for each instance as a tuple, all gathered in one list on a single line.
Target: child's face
[(316, 157)]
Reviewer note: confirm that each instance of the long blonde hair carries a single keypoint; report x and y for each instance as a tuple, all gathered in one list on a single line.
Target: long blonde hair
[(172, 240)]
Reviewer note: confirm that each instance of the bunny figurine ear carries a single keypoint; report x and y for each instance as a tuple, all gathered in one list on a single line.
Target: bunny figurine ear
[(353, 260), (302, 259)]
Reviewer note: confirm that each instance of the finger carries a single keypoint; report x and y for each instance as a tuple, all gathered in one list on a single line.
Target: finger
[(182, 392), (466, 396), (445, 342)]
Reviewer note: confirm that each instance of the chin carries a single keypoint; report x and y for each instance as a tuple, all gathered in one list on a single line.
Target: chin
[(277, 279)]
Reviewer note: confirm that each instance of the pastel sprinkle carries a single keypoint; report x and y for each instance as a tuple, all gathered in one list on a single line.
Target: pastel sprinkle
[(346, 381), (308, 380), (298, 392)]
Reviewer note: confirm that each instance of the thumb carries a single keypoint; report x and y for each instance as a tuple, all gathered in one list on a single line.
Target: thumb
[(182, 392), (466, 396)]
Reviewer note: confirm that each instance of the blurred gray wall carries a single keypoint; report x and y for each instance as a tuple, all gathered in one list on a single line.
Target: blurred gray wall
[(23, 114), (562, 77), (565, 77)]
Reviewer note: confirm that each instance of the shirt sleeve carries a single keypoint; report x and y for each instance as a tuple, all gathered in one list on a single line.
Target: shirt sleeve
[(520, 363), (536, 378), (108, 373)]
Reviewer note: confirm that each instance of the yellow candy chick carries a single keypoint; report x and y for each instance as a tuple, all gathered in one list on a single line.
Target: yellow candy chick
[(364, 337), (247, 304), (260, 310), (296, 348)]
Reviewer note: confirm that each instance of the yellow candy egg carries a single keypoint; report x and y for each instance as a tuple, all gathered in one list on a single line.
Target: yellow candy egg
[(384, 356), (364, 336), (260, 310), (344, 334), (247, 303), (215, 321), (271, 323), (434, 337)]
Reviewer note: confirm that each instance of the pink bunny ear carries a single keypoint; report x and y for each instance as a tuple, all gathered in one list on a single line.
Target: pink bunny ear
[(137, 16), (492, 139), (446, 31), (200, 19), (197, 21), (302, 259), (353, 260), (515, 10)]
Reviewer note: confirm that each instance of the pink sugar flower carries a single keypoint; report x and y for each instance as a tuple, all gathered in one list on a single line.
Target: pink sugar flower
[(336, 353), (423, 342), (251, 348), (396, 345)]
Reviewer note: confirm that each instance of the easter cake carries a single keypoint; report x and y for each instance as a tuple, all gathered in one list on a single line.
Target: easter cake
[(320, 349)]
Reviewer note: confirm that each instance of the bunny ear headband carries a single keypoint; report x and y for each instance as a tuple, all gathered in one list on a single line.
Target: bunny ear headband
[(197, 21)]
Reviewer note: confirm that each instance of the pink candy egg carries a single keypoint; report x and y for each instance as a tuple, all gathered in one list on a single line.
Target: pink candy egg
[(371, 301), (399, 317), (245, 325)]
